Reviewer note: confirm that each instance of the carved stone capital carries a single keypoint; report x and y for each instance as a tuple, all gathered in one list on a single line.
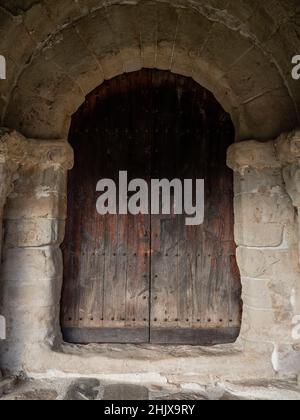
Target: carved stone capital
[(49, 153), (17, 151), (288, 148), (12, 147), (252, 155)]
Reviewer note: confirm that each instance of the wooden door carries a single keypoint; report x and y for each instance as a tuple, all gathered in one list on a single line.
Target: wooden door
[(139, 279)]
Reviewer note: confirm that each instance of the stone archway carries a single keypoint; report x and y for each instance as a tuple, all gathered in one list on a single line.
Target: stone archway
[(31, 273), (150, 278), (77, 46), (57, 63)]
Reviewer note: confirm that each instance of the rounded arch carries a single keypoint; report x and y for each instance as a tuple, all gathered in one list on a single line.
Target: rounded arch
[(213, 45)]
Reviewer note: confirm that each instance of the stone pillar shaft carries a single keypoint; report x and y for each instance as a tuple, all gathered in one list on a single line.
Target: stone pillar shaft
[(267, 244), (266, 232), (31, 272)]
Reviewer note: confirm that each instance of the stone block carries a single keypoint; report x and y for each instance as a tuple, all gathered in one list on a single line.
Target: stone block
[(24, 264), (45, 79), (36, 395), (12, 28), (264, 326), (252, 155), (62, 13), (40, 180), (286, 358), (288, 147), (83, 390), (69, 53), (265, 294), (268, 263), (147, 23), (192, 29), (39, 117), (38, 23), (125, 26), (167, 24), (291, 175), (34, 232), (12, 148), (267, 116), (259, 234), (274, 207), (125, 392), (252, 75), (7, 385), (30, 295), (29, 326), (258, 181), (96, 27), (257, 293), (42, 205), (233, 48)]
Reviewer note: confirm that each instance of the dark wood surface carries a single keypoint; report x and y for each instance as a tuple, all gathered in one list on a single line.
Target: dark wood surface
[(194, 336), (150, 273), (122, 335)]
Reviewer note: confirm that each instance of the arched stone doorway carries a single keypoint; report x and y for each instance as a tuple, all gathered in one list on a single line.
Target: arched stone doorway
[(148, 278), (66, 49)]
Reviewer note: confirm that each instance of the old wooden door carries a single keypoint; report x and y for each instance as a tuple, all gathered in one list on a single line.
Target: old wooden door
[(139, 279)]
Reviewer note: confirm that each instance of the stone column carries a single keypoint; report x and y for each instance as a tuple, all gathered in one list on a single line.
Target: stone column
[(288, 152), (31, 274), (266, 232), (11, 151)]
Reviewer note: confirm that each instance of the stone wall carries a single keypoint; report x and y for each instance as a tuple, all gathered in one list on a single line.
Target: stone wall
[(267, 235), (31, 271), (11, 150), (58, 51)]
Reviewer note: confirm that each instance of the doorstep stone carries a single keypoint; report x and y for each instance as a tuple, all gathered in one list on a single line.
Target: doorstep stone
[(7, 385), (125, 392), (83, 390)]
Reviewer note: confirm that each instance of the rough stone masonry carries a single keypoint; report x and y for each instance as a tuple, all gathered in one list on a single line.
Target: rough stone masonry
[(56, 53)]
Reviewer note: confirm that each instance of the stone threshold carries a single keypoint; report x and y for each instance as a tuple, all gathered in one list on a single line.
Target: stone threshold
[(87, 389), (157, 365)]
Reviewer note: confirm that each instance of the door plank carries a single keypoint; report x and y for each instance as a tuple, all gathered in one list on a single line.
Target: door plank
[(194, 336), (106, 335), (137, 287)]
